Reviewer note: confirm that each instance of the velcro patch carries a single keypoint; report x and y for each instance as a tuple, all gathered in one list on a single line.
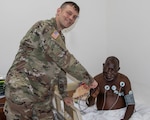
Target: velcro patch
[(55, 34)]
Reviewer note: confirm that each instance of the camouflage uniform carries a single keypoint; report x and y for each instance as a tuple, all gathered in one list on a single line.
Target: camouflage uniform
[(41, 63)]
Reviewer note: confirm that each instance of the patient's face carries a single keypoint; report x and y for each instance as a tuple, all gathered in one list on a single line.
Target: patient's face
[(110, 70)]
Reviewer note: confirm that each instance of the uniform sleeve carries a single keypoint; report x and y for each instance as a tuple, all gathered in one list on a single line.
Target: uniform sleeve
[(55, 52), (62, 84)]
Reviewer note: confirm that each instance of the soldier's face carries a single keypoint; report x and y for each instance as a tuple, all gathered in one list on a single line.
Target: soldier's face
[(66, 16)]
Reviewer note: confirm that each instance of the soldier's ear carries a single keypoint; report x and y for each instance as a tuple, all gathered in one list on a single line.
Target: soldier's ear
[(58, 11)]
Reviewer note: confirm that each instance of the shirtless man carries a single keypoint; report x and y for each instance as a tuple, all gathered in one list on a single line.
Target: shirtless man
[(114, 89)]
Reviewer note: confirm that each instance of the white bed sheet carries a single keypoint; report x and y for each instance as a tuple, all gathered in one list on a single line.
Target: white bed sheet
[(142, 112)]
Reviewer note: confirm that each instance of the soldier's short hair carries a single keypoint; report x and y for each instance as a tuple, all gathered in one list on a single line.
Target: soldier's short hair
[(76, 7)]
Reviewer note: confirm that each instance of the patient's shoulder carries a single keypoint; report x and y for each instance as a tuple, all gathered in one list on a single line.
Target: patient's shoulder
[(99, 77), (123, 78)]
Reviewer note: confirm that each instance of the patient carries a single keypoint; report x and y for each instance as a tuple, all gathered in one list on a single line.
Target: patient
[(114, 89)]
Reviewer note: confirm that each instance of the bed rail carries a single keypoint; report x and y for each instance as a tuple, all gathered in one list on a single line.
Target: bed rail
[(69, 112)]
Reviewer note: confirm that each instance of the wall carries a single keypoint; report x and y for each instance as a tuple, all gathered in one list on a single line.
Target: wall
[(104, 27), (128, 30), (83, 41)]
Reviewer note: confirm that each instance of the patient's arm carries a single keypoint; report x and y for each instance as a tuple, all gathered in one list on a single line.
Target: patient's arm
[(129, 99), (93, 95), (90, 101), (129, 112)]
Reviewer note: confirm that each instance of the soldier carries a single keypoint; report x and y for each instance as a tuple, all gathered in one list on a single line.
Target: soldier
[(41, 63), (113, 91)]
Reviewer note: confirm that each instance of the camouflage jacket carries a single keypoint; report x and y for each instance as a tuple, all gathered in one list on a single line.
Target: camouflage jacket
[(43, 61)]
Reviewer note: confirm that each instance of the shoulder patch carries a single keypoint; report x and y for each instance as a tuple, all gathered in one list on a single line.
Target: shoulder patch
[(55, 34)]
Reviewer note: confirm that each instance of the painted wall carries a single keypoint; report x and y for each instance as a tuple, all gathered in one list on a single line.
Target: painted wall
[(128, 35), (104, 27), (86, 40)]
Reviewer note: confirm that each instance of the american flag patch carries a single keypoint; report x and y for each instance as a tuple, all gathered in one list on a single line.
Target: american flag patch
[(55, 34)]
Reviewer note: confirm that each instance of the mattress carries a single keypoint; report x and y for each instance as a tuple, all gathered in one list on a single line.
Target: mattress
[(142, 112), (80, 111)]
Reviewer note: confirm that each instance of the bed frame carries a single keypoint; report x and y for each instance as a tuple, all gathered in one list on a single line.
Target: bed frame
[(69, 112), (73, 113)]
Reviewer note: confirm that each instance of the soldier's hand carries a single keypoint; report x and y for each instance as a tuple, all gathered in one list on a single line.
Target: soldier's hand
[(68, 101), (94, 84)]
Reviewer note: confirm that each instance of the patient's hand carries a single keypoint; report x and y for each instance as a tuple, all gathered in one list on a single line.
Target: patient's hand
[(94, 92), (68, 101)]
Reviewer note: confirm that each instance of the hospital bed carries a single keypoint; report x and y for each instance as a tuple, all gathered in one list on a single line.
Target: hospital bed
[(69, 112), (73, 112)]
